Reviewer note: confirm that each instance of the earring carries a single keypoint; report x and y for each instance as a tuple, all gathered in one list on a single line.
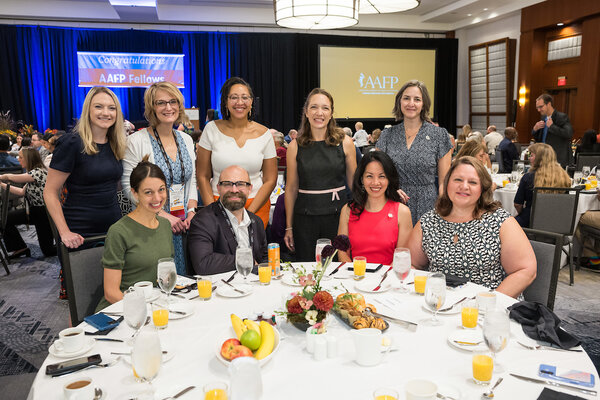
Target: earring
[(227, 113)]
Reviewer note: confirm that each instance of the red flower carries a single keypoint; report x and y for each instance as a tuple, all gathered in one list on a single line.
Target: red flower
[(293, 305), (323, 301)]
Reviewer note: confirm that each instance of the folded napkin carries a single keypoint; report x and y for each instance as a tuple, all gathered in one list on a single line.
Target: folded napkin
[(107, 331), (549, 394), (455, 281), (539, 323)]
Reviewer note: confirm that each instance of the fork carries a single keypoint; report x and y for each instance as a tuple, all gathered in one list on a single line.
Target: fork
[(105, 365), (382, 279), (540, 347)]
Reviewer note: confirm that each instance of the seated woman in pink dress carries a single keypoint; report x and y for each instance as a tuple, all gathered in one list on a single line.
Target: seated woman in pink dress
[(375, 220)]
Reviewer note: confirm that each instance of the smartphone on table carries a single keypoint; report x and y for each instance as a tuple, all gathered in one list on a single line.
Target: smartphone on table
[(565, 375), (68, 366)]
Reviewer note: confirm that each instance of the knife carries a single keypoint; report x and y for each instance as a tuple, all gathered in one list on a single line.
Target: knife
[(119, 353), (230, 278), (411, 326), (184, 391), (468, 343), (382, 279), (234, 288), (558, 384), (337, 268)]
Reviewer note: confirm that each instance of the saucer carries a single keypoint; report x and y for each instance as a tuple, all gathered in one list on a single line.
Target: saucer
[(155, 295), (228, 291), (367, 285), (454, 310), (472, 336), (449, 390), (187, 308), (104, 394), (89, 343)]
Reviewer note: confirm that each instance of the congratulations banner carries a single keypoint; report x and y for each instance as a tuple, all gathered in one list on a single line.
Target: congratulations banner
[(129, 69)]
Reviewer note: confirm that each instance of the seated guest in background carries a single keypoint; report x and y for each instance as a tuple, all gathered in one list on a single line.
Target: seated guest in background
[(466, 130), (473, 148), (591, 252), (51, 146), (292, 134), (280, 149), (375, 220), (136, 241), (588, 143), (492, 139), (33, 191), (508, 149), (468, 235), (461, 138), (222, 226), (16, 146), (375, 136), (25, 141), (6, 160), (545, 171), (476, 135)]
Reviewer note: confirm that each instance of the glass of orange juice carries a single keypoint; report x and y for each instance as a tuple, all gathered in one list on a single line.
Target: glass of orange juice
[(264, 273), (420, 281), (483, 365), (215, 391), (204, 288), (360, 267), (385, 394), (160, 314), (469, 314)]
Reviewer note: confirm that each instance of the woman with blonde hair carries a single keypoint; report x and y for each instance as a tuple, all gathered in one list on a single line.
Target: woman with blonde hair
[(476, 150), (88, 164), (173, 152), (545, 172)]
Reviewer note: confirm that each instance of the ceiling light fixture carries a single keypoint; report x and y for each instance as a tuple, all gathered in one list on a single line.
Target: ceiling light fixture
[(386, 6), (560, 24), (485, 9), (316, 14)]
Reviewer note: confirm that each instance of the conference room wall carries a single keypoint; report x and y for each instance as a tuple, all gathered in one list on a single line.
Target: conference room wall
[(39, 76)]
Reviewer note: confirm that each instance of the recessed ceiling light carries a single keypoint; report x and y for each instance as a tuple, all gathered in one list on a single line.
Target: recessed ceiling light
[(468, 15), (560, 24), (485, 9)]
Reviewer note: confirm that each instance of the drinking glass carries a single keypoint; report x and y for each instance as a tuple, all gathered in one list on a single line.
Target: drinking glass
[(321, 243), (514, 177), (160, 313), (244, 261), (586, 171), (204, 288), (521, 168), (215, 391), (401, 265), (146, 357), (435, 295), (264, 273), (577, 177), (469, 314), (385, 394), (496, 331), (495, 168), (167, 275), (359, 264), (134, 309)]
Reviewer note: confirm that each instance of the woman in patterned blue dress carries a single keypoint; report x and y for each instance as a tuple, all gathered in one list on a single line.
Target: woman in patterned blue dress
[(173, 151), (420, 150), (468, 235)]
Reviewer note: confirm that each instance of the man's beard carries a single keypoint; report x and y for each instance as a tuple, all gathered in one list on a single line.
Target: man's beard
[(233, 205)]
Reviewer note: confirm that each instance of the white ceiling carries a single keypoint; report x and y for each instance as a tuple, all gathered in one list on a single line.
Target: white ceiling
[(433, 16)]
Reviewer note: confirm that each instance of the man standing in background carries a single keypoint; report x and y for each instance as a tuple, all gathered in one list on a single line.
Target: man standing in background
[(554, 129)]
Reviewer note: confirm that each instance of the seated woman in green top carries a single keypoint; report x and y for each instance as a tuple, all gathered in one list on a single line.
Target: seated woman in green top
[(136, 242)]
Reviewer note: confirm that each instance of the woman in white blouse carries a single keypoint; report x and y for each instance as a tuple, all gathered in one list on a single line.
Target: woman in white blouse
[(236, 139)]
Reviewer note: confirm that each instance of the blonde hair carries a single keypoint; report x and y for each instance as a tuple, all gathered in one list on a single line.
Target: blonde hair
[(548, 173), (150, 96), (115, 134), (471, 148)]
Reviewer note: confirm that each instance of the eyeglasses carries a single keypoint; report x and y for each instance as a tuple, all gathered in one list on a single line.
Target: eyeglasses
[(238, 184), (245, 99), (163, 103)]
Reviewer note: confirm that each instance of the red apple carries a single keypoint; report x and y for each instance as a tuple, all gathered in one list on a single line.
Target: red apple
[(241, 351), (227, 348)]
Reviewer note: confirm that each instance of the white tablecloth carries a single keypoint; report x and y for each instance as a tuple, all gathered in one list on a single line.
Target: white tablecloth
[(293, 374)]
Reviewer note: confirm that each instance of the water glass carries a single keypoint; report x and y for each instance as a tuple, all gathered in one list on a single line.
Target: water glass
[(578, 177), (134, 309), (321, 243), (146, 357), (495, 168), (496, 332), (167, 275), (401, 266), (244, 261), (245, 378), (586, 171), (435, 295)]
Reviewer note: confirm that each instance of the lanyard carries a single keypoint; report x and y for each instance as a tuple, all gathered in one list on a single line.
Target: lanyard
[(250, 228), (166, 157)]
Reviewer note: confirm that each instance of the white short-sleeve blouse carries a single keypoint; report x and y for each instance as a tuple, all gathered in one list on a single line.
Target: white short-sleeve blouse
[(226, 152)]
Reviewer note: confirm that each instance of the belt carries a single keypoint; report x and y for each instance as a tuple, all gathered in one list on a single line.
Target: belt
[(334, 192)]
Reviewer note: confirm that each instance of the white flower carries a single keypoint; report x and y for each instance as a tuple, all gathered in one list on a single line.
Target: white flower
[(311, 316)]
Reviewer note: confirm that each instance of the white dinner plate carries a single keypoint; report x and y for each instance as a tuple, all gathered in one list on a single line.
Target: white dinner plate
[(229, 333), (367, 285), (89, 343), (228, 291), (288, 279), (454, 310), (471, 336), (187, 308)]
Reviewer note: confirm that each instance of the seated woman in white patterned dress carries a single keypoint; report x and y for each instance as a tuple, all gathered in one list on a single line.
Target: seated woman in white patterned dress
[(468, 235)]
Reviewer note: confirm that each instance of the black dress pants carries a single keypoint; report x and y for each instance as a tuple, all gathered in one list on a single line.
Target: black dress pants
[(309, 228), (37, 217)]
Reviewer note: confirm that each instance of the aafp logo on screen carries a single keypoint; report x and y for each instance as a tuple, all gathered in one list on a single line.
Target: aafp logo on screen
[(377, 84)]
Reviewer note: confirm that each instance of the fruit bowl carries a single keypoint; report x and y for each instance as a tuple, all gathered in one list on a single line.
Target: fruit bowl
[(229, 333)]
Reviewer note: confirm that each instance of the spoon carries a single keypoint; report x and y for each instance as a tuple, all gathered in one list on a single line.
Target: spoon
[(97, 393), (490, 394)]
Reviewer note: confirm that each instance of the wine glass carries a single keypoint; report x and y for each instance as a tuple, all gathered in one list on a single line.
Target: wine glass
[(134, 309), (146, 357), (521, 168), (577, 177), (514, 177), (435, 295), (496, 332), (495, 168), (167, 275), (244, 261), (401, 265), (321, 243), (586, 171)]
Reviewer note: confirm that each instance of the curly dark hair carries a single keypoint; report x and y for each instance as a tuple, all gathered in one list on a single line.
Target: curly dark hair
[(235, 80), (359, 194)]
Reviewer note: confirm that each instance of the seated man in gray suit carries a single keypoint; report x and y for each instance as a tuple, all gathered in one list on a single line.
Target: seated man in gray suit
[(219, 228)]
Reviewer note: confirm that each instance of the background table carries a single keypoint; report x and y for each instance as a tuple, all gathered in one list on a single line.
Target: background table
[(293, 374)]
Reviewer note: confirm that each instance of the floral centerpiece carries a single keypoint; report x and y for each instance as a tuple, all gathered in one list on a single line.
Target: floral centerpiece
[(7, 125), (310, 305)]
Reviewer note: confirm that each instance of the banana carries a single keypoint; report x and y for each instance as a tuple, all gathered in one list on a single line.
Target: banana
[(252, 325), (268, 341), (238, 325)]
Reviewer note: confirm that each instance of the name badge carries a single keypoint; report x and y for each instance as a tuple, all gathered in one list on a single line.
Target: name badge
[(176, 200)]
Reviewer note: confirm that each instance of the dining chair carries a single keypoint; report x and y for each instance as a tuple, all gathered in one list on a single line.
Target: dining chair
[(83, 275), (587, 159), (554, 210), (500, 161), (547, 247), (3, 219)]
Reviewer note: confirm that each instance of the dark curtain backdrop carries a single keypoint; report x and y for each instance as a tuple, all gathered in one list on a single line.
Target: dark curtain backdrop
[(38, 74)]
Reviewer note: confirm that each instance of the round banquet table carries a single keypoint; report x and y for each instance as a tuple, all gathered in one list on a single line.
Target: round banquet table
[(293, 374)]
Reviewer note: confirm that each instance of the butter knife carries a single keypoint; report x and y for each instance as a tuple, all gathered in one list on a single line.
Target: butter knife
[(411, 326), (184, 391), (382, 279), (234, 288), (557, 384), (231, 277), (337, 268)]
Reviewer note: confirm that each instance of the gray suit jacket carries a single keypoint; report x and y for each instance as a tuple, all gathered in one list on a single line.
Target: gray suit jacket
[(559, 137), (212, 244)]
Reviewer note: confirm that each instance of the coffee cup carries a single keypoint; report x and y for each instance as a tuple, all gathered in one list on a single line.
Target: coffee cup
[(146, 287), (486, 300), (420, 389), (81, 388), (70, 340), (369, 343)]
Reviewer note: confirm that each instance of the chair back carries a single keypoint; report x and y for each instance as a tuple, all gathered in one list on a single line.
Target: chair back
[(554, 209), (84, 276), (500, 161), (587, 159), (4, 208), (547, 247)]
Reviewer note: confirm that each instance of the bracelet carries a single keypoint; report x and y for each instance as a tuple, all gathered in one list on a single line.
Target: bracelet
[(288, 229), (191, 210)]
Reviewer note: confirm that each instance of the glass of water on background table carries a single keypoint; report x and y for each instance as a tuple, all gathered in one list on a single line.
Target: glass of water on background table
[(244, 261), (401, 265), (321, 243), (495, 168), (167, 275), (435, 296)]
